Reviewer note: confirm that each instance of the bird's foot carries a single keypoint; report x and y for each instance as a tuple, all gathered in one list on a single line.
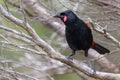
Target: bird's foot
[(93, 71), (70, 59)]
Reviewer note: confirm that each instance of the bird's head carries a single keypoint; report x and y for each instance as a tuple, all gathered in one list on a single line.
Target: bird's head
[(66, 16)]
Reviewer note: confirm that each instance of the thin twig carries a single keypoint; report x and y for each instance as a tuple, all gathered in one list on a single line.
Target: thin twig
[(23, 48), (21, 74), (102, 30), (23, 12), (6, 5)]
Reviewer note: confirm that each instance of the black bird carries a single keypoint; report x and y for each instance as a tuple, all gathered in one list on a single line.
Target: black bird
[(78, 35)]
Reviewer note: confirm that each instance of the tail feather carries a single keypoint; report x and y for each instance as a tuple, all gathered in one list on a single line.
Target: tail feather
[(100, 49)]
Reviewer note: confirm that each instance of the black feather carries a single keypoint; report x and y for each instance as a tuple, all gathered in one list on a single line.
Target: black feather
[(100, 49)]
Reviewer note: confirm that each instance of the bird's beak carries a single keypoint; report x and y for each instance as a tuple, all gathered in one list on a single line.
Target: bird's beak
[(57, 16)]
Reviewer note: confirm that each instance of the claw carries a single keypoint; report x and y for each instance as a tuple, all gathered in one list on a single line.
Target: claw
[(69, 58)]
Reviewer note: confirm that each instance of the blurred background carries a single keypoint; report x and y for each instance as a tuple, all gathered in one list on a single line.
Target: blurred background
[(20, 64)]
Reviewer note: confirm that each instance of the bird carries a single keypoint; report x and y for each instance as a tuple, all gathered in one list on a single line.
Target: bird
[(79, 35)]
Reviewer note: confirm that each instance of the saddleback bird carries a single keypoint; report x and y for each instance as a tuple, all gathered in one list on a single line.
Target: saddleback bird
[(79, 36)]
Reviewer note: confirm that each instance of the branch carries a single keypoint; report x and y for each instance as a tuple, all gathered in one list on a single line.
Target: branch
[(11, 72), (23, 48), (18, 6), (15, 32), (54, 54), (103, 31), (44, 16), (111, 2)]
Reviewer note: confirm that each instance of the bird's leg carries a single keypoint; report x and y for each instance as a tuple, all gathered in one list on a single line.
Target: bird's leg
[(89, 61), (71, 55)]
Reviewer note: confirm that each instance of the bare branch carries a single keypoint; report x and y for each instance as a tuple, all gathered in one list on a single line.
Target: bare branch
[(6, 5), (23, 48), (18, 6), (18, 73), (23, 12), (15, 32), (102, 30), (41, 13), (111, 2)]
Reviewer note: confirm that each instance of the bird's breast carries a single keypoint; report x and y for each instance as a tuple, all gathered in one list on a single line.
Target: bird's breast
[(78, 38)]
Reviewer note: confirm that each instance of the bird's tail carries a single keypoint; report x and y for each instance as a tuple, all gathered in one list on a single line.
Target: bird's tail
[(100, 49)]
